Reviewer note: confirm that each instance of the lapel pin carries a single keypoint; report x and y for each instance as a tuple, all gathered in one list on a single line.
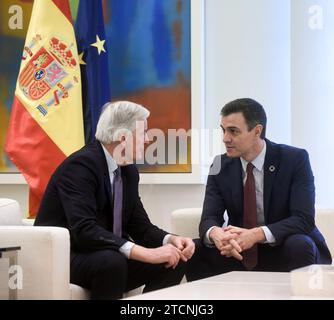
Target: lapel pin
[(272, 168)]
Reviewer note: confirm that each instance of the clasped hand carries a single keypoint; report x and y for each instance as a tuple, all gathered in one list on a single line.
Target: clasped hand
[(232, 241)]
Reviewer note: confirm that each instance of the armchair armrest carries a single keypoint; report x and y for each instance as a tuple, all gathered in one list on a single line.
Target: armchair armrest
[(44, 258)]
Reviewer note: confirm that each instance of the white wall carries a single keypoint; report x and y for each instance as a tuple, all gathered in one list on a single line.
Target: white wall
[(161, 200), (272, 50), (248, 55), (313, 90)]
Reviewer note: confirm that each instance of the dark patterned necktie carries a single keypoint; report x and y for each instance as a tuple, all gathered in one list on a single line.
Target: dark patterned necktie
[(250, 219), (118, 200)]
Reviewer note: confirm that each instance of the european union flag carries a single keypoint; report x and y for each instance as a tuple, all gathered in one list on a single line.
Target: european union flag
[(90, 35)]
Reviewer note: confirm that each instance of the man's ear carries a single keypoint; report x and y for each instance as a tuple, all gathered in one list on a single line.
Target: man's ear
[(122, 138), (258, 130)]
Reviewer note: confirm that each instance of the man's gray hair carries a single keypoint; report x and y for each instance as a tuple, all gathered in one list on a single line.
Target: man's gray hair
[(117, 118)]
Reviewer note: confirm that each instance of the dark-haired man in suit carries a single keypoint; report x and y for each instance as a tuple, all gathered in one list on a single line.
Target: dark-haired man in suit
[(94, 193), (268, 192)]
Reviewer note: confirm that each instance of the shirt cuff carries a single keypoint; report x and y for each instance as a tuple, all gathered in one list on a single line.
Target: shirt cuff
[(207, 241), (268, 234), (166, 239), (126, 248)]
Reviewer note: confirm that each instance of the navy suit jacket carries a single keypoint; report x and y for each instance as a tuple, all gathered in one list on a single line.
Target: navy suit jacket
[(288, 195), (78, 197)]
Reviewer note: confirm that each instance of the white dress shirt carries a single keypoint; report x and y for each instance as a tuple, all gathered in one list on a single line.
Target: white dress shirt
[(258, 173), (126, 248)]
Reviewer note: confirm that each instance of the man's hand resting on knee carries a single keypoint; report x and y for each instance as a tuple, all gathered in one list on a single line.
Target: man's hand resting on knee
[(225, 242), (169, 254)]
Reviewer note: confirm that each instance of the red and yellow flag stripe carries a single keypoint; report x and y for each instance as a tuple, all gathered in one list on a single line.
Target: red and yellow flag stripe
[(46, 123)]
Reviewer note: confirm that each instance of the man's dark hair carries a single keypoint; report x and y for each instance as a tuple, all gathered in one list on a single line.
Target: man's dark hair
[(252, 111)]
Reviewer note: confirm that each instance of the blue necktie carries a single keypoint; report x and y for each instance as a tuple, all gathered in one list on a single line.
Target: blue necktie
[(118, 200)]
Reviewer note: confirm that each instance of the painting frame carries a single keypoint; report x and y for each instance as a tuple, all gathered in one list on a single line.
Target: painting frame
[(197, 113)]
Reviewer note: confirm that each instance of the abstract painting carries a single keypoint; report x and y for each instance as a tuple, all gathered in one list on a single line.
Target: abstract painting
[(149, 55)]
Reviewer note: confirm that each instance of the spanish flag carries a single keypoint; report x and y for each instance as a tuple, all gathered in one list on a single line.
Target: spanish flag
[(46, 123)]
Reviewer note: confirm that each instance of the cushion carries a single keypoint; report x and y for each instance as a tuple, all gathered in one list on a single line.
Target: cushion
[(79, 293), (10, 212)]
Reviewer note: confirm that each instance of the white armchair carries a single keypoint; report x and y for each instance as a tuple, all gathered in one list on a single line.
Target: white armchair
[(186, 221), (44, 256)]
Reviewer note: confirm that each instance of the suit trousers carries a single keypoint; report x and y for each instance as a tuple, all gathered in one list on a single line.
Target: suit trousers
[(296, 251), (108, 274)]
